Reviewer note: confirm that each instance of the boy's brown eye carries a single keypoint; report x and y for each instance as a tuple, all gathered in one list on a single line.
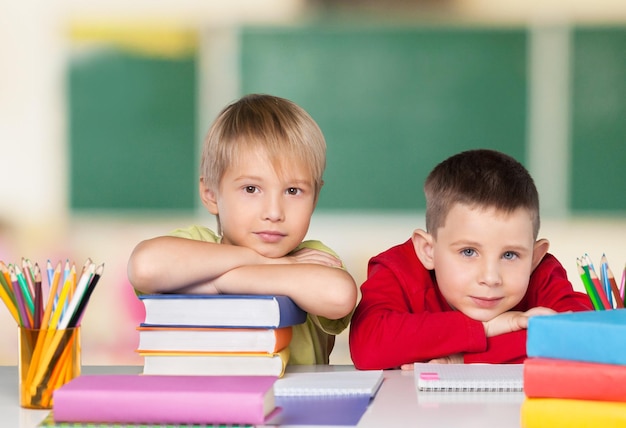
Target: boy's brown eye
[(250, 189), (292, 191)]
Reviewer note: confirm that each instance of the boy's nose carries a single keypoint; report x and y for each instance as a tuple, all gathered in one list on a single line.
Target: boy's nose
[(490, 274), (273, 210)]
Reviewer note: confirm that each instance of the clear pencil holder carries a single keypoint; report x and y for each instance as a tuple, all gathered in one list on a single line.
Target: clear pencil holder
[(48, 359)]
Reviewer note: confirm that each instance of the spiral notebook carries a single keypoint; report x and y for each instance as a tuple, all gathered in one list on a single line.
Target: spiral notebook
[(336, 397), (469, 377), (329, 383)]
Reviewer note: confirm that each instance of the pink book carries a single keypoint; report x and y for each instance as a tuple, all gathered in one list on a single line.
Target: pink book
[(161, 399)]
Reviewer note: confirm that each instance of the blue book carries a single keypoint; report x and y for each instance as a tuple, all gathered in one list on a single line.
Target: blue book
[(591, 336), (221, 310)]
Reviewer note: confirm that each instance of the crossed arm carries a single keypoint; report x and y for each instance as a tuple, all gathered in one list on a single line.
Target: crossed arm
[(312, 278)]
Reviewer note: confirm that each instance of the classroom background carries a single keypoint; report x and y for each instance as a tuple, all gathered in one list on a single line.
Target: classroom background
[(103, 107)]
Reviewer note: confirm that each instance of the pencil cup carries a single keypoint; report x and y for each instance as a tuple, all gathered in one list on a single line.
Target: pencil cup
[(47, 360)]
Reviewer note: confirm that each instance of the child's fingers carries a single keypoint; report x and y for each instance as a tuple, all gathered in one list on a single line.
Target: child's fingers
[(308, 255)]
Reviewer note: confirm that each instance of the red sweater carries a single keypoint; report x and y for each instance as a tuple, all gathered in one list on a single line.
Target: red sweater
[(403, 318)]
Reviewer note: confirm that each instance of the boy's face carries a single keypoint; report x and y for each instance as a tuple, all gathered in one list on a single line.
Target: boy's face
[(483, 259), (262, 210)]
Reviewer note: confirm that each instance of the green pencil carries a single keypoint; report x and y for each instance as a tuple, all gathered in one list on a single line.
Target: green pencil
[(589, 287)]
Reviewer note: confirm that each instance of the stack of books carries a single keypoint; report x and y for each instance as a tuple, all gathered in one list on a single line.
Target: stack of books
[(243, 335), (575, 373)]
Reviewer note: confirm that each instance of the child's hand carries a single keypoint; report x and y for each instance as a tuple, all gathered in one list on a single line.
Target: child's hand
[(312, 256), (513, 321), (450, 359)]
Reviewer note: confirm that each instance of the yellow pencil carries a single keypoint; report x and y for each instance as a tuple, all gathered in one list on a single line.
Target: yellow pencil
[(50, 341), (9, 304)]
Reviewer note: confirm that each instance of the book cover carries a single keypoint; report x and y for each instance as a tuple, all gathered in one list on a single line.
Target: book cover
[(544, 377), (561, 412), (591, 336), (208, 339), (49, 422), (330, 383), (469, 377), (165, 399), (320, 410), (215, 363), (221, 310)]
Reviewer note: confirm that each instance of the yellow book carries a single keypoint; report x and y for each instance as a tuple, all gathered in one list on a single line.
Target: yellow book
[(567, 413)]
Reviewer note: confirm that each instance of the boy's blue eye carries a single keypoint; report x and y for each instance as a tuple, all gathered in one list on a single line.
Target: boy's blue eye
[(509, 255), (468, 252)]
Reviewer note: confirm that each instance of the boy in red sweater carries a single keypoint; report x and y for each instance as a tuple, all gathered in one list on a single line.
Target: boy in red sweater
[(463, 290)]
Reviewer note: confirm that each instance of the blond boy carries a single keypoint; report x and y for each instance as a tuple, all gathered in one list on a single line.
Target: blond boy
[(261, 175)]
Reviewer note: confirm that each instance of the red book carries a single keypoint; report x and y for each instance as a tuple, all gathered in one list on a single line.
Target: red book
[(145, 399), (554, 378)]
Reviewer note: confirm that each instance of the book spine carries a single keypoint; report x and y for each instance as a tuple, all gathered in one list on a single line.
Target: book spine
[(555, 412), (283, 338), (289, 313), (576, 341), (156, 407), (572, 379)]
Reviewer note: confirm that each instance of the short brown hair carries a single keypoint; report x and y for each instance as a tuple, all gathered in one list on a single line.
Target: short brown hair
[(282, 129), (479, 178)]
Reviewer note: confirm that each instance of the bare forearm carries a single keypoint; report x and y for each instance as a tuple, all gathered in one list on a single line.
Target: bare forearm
[(320, 290), (170, 264)]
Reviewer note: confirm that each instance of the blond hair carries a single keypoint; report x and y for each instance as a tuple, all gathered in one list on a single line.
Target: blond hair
[(282, 130)]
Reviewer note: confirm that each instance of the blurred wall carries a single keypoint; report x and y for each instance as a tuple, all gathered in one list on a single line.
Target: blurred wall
[(40, 220)]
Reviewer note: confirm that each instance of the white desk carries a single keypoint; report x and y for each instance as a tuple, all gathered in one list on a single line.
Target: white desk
[(397, 404)]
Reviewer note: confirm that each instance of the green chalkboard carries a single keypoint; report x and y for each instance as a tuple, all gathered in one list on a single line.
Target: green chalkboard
[(598, 174), (132, 141), (393, 102)]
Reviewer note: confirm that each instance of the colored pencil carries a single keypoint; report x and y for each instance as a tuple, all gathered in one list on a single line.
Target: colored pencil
[(6, 294), (77, 296), (610, 279), (8, 301), (25, 314), (78, 314), (589, 287), (27, 272), (596, 282), (622, 284), (38, 309)]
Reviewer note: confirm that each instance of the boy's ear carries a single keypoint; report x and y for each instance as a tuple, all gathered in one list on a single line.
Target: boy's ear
[(423, 244), (540, 249), (208, 197)]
